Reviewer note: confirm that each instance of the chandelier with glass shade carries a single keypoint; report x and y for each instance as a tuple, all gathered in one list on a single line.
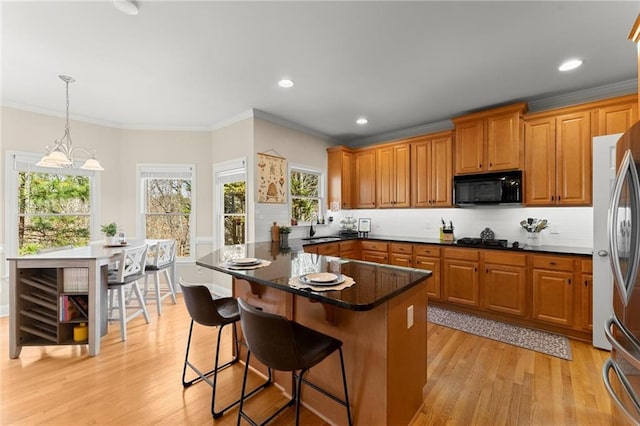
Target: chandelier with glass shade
[(62, 153)]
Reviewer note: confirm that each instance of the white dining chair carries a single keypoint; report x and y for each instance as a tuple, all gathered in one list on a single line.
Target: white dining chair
[(130, 268), (161, 259)]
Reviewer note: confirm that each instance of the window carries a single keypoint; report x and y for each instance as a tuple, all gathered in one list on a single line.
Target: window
[(51, 207), (306, 194), (167, 203), (231, 187)]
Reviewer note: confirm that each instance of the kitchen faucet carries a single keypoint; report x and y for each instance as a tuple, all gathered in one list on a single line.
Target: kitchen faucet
[(312, 231)]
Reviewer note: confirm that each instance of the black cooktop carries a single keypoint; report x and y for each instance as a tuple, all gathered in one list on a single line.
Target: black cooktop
[(479, 242)]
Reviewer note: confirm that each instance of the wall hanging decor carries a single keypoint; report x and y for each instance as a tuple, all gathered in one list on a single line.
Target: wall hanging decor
[(272, 179)]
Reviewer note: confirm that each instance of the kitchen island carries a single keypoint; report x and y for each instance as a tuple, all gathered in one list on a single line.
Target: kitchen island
[(381, 321)]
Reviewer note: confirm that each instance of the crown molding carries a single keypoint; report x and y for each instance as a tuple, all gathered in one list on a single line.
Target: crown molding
[(422, 129), (257, 113), (620, 88)]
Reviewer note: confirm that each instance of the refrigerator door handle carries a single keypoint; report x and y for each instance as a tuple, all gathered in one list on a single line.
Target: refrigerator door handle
[(617, 346), (610, 365)]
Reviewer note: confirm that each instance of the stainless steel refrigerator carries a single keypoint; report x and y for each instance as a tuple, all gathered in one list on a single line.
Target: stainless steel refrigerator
[(621, 372)]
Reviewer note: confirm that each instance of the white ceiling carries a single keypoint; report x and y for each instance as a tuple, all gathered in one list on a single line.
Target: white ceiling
[(194, 65)]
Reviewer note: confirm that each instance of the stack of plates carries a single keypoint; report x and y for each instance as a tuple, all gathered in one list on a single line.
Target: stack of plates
[(245, 261), (322, 278)]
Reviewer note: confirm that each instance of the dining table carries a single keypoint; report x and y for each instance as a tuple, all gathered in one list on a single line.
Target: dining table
[(38, 285), (378, 312)]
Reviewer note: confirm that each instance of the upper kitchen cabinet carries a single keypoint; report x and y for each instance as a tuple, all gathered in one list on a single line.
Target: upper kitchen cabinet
[(489, 141), (393, 176), (615, 115), (364, 190), (431, 160), (558, 159), (340, 181)]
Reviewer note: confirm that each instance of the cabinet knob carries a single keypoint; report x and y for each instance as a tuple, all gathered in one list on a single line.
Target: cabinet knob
[(553, 198), (569, 281), (586, 283)]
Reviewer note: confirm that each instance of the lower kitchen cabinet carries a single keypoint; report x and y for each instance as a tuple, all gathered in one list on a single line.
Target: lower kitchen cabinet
[(553, 289), (586, 295), (401, 254), (428, 257), (461, 283), (375, 251), (504, 282)]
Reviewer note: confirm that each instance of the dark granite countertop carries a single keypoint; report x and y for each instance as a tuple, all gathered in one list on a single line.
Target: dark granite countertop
[(548, 249), (374, 283)]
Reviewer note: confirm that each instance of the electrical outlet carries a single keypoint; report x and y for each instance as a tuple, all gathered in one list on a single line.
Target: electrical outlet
[(410, 316), (554, 229)]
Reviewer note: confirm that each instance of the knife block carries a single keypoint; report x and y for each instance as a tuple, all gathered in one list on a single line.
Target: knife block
[(446, 235)]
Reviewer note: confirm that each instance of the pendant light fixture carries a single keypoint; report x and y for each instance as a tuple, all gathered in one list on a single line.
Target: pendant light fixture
[(62, 152)]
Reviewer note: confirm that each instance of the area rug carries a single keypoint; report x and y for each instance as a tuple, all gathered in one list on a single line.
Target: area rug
[(535, 340)]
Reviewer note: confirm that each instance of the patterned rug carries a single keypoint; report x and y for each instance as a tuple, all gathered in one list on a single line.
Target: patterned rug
[(540, 341)]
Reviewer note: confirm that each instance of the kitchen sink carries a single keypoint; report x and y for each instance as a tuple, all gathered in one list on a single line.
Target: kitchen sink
[(322, 239)]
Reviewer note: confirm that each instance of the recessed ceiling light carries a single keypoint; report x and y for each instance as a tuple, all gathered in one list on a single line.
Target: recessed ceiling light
[(362, 121), (570, 64), (286, 83), (128, 7)]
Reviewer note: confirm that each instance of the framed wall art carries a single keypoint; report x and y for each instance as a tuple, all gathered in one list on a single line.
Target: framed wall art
[(272, 179)]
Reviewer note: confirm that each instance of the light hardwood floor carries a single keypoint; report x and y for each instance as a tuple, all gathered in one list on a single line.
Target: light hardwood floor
[(472, 381)]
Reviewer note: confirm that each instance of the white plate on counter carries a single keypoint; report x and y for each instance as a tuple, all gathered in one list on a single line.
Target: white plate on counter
[(322, 278), (245, 261)]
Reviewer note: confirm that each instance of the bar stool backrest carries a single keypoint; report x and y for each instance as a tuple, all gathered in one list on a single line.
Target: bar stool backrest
[(130, 261), (270, 338), (165, 252), (202, 307)]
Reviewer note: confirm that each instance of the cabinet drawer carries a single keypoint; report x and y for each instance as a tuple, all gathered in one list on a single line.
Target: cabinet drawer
[(462, 254), (551, 262), (347, 245), (329, 249), (587, 266), (401, 248), (375, 256), (374, 246), (424, 250), (505, 258)]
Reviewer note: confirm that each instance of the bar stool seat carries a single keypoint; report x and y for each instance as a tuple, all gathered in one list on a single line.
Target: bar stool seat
[(210, 312), (285, 345)]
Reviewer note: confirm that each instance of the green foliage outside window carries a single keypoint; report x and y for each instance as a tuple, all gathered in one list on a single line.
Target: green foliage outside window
[(234, 213), (168, 211), (53, 210), (305, 192)]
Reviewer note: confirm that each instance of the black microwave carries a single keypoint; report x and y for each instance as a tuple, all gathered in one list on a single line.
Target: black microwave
[(488, 188)]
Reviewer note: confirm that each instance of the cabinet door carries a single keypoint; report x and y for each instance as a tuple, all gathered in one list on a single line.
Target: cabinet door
[(339, 166), (504, 142), (441, 176), (375, 256), (540, 162), (504, 289), (421, 172), (385, 177), (586, 302), (365, 179), (461, 282), (402, 171), (433, 283), (469, 146), (617, 118), (399, 259), (329, 249), (573, 153), (553, 296)]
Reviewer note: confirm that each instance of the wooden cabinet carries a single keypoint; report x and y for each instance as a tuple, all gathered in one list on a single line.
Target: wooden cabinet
[(393, 176), (339, 179), (558, 160), (375, 251), (461, 283), (428, 257), (586, 295), (489, 141), (431, 176), (329, 249), (364, 179), (552, 281), (401, 254), (349, 249), (615, 115), (504, 282)]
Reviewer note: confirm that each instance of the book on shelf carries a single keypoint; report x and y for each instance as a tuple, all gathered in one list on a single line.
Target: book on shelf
[(73, 307), (81, 303), (76, 279)]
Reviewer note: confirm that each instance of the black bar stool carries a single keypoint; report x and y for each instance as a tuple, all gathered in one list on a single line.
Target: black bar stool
[(285, 345), (210, 312)]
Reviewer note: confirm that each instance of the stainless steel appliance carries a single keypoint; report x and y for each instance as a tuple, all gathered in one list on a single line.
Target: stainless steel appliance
[(488, 188), (621, 372)]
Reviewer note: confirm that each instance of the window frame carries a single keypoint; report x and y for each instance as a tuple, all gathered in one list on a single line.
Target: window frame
[(19, 161), (167, 171), (221, 170), (293, 167)]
